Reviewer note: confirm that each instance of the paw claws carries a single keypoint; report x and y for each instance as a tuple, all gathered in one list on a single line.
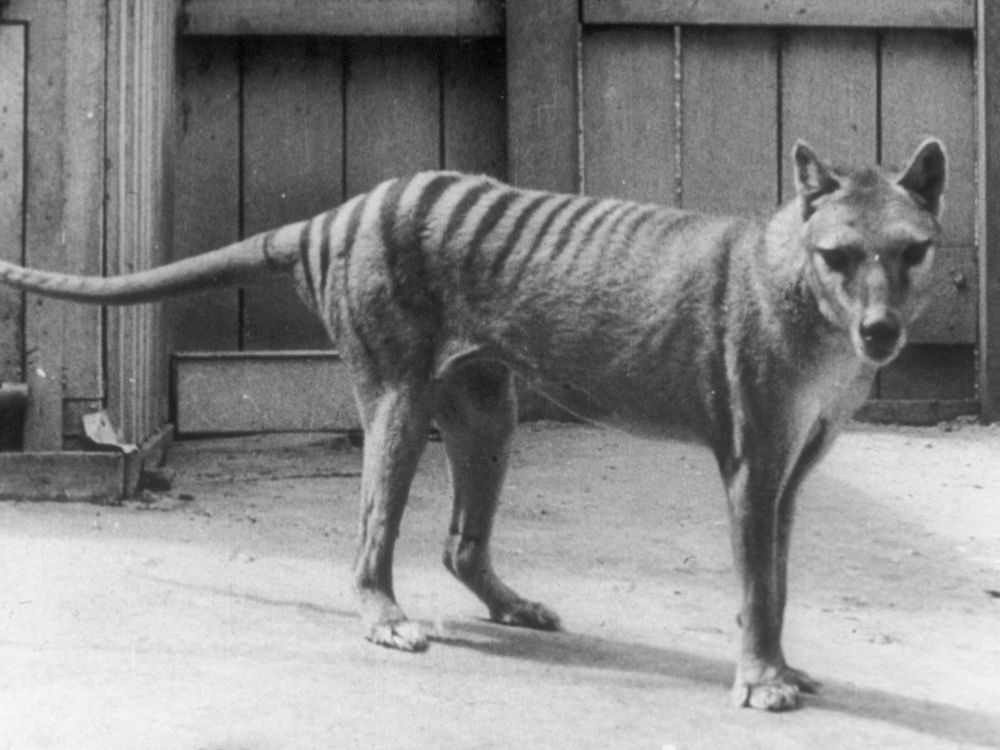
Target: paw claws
[(404, 635), (777, 693), (526, 614)]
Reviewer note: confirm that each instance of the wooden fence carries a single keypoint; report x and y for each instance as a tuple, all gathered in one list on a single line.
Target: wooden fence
[(285, 108), (681, 104)]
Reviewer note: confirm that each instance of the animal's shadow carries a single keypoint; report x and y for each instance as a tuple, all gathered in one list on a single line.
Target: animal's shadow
[(949, 723)]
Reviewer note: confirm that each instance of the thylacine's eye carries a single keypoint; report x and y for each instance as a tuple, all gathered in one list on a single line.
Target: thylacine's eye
[(839, 259), (914, 253)]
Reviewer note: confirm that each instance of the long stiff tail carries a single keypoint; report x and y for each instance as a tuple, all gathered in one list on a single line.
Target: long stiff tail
[(242, 262)]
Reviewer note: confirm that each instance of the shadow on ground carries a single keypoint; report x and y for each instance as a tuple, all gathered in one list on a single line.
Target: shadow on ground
[(945, 722)]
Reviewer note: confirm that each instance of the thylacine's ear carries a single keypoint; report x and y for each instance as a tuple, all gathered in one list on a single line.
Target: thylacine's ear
[(925, 176), (813, 178)]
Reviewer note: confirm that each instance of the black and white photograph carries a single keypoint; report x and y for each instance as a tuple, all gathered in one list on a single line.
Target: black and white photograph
[(499, 374)]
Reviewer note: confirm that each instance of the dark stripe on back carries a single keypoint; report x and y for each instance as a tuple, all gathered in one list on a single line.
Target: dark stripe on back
[(304, 258), (622, 218), (351, 232), (324, 251), (714, 368), (404, 256), (344, 256), (431, 194), (540, 237), (598, 224), (517, 230), (461, 210), (593, 228), (486, 225), (571, 224), (632, 229), (389, 217)]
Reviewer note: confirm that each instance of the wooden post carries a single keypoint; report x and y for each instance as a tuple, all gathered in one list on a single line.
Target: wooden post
[(45, 202), (988, 218), (139, 152), (542, 94)]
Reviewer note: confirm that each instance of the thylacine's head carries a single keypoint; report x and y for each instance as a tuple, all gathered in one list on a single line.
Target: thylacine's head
[(870, 236)]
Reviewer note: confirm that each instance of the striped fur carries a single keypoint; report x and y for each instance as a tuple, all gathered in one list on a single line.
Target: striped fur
[(756, 338)]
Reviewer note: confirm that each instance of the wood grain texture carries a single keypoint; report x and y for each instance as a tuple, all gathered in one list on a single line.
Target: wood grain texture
[(987, 203), (393, 120), (292, 148), (729, 132), (45, 201), (207, 186), (222, 392), (829, 97), (882, 14), (140, 98), (13, 58), (542, 96), (928, 88), (630, 114), (68, 476), (433, 18), (85, 127), (473, 107)]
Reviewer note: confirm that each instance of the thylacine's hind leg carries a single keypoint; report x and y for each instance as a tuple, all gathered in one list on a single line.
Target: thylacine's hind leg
[(396, 421), (477, 416)]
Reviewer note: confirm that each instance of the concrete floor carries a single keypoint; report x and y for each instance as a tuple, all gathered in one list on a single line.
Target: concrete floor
[(219, 616)]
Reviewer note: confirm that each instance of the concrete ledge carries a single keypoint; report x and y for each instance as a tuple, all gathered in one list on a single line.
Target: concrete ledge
[(80, 476)]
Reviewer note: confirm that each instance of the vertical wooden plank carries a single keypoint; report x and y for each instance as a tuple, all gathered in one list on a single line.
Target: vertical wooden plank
[(829, 97), (292, 168), (45, 197), (474, 117), (140, 130), (928, 88), (207, 186), (393, 111), (85, 50), (121, 204), (167, 80), (988, 199), (729, 131), (542, 97), (12, 103), (629, 114)]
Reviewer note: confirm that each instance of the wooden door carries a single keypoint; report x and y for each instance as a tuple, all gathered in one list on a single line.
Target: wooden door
[(275, 129), (700, 108)]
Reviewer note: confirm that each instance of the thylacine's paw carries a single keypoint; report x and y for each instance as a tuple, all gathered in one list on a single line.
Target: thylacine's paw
[(777, 689), (403, 635), (525, 614)]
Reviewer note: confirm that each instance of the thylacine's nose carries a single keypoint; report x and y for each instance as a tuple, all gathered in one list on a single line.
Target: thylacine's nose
[(880, 328), (881, 335)]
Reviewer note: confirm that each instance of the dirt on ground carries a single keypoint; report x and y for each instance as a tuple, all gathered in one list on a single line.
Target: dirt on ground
[(219, 616)]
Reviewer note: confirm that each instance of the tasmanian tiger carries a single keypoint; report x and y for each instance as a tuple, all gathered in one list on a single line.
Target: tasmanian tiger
[(757, 338)]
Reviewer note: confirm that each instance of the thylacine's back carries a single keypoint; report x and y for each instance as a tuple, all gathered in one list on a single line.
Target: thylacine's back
[(758, 339)]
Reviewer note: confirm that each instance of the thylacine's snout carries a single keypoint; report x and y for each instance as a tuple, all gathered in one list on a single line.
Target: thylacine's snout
[(880, 331), (881, 335)]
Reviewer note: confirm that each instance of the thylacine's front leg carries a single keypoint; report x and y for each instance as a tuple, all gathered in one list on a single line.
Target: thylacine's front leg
[(761, 487)]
